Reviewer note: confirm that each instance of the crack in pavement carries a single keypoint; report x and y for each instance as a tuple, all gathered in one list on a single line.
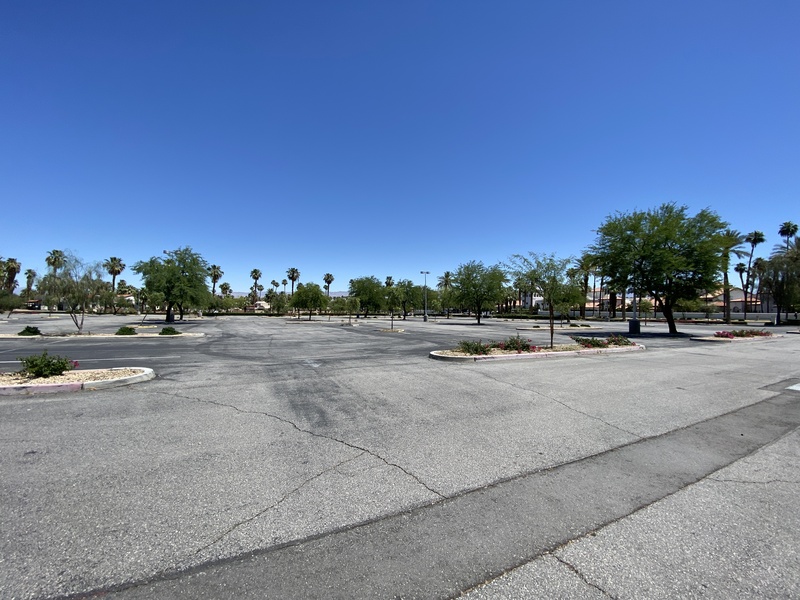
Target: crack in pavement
[(582, 577), (275, 504), (767, 482), (564, 404), (314, 434)]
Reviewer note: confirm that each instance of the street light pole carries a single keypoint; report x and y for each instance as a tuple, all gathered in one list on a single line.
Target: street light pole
[(425, 294)]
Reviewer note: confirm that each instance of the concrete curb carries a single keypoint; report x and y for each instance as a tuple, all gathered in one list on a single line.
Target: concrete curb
[(436, 354), (54, 388), (711, 338), (83, 336)]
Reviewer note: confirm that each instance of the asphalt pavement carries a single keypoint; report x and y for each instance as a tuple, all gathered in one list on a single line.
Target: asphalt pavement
[(286, 459)]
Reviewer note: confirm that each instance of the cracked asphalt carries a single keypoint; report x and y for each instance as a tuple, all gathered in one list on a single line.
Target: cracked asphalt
[(287, 459)]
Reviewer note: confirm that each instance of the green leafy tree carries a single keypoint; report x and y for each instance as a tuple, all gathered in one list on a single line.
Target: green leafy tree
[(309, 297), (478, 287), (369, 292), (293, 275), (225, 289), (782, 280), (409, 296), (552, 278), (216, 273), (279, 304), (79, 285), (328, 279), (180, 275), (389, 281), (9, 302), (664, 252)]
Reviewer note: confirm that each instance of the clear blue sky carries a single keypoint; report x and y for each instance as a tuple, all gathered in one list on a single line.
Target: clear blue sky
[(386, 138)]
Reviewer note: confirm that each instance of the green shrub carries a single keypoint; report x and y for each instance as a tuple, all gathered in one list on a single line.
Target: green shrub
[(618, 340), (30, 331), (470, 347), (516, 344), (45, 366), (169, 331), (126, 331), (589, 342)]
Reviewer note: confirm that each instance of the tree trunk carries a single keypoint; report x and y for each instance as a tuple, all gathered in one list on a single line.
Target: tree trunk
[(552, 324), (170, 314), (180, 311), (726, 298), (478, 314), (612, 304), (667, 311)]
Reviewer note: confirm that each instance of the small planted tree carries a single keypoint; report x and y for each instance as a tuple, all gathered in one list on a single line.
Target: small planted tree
[(552, 279), (310, 297), (478, 287)]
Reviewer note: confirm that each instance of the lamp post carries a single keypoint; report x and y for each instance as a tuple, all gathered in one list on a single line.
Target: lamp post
[(425, 295)]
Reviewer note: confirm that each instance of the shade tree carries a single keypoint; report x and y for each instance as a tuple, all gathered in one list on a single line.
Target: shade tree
[(663, 252)]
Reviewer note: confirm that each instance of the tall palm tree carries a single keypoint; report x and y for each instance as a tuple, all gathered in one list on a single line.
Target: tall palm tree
[(293, 275), (30, 277), (114, 266), (274, 284), (216, 273), (787, 230), (225, 289), (12, 267), (741, 269), (255, 275), (389, 281), (445, 284), (754, 238), (732, 244), (283, 283), (328, 279), (55, 260)]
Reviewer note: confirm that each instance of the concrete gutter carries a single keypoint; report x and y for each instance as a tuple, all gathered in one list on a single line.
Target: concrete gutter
[(55, 388), (437, 354), (711, 338)]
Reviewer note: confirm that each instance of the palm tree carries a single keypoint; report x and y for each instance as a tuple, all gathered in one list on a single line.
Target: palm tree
[(114, 266), (55, 260), (741, 269), (274, 284), (389, 281), (30, 277), (445, 284), (225, 289), (754, 238), (283, 283), (293, 275), (12, 267), (255, 275), (328, 279), (215, 272), (732, 242), (787, 230)]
